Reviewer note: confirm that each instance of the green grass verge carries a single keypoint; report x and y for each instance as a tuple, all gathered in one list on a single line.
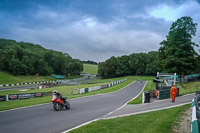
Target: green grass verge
[(153, 122), (6, 78), (190, 87), (184, 88), (90, 69), (65, 90)]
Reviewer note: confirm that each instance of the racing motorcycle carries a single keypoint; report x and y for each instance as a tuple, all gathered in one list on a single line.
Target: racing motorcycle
[(59, 103)]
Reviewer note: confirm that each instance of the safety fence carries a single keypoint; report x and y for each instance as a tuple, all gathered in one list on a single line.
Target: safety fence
[(85, 90), (24, 96), (195, 116), (165, 93)]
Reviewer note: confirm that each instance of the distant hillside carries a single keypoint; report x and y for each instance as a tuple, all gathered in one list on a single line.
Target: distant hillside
[(90, 69)]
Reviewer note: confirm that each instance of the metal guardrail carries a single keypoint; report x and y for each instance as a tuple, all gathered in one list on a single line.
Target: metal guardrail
[(194, 117), (85, 90)]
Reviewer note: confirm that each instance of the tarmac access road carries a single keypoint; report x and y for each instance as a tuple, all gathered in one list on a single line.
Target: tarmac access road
[(149, 107), (44, 119), (17, 87)]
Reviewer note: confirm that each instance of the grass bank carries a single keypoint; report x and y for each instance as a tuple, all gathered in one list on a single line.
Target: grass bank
[(190, 87), (65, 90), (90, 69), (153, 122), (6, 78)]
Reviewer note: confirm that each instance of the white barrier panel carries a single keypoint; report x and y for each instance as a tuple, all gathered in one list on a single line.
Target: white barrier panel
[(90, 89), (96, 88), (82, 90), (101, 87)]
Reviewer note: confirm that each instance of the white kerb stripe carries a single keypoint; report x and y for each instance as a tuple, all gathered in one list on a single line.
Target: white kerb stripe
[(194, 113)]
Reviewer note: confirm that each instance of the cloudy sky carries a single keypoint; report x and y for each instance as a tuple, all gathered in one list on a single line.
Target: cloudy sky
[(94, 29)]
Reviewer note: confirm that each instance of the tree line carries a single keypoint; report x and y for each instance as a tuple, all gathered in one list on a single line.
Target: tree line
[(90, 62), (21, 58), (175, 55), (134, 64)]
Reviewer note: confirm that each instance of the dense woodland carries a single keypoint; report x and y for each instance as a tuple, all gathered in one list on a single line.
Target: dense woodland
[(176, 54), (20, 58)]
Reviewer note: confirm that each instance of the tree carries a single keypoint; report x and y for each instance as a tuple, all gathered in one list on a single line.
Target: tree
[(123, 67), (138, 63), (177, 53), (151, 63), (108, 68)]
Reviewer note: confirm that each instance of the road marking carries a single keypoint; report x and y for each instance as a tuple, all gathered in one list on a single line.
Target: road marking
[(106, 114), (23, 107), (145, 111), (128, 101)]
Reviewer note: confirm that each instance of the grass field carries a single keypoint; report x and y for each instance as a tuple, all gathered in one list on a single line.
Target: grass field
[(153, 122), (65, 90), (6, 78), (90, 69)]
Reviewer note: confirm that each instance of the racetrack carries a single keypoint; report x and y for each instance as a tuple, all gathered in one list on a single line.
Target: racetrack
[(43, 119)]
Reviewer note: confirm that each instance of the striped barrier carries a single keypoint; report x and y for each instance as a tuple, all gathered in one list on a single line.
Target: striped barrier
[(85, 90), (29, 83), (194, 118)]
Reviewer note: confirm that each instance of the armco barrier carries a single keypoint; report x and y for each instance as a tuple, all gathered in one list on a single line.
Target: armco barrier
[(24, 96), (195, 115), (85, 90)]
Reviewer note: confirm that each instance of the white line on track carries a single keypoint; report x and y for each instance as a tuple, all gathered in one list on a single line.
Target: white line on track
[(106, 114), (146, 111), (24, 107)]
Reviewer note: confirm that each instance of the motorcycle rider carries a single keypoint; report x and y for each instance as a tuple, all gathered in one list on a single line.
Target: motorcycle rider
[(57, 94)]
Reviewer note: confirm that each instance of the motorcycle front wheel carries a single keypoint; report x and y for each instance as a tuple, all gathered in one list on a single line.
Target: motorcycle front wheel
[(56, 106), (67, 105)]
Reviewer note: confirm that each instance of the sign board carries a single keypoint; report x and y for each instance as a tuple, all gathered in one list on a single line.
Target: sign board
[(12, 97), (25, 96), (47, 94), (103, 86), (2, 98), (38, 94)]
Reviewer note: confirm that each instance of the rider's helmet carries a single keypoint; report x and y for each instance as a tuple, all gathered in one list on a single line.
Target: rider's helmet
[(55, 91)]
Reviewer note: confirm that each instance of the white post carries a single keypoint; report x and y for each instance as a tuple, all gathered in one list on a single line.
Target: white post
[(157, 74), (7, 99), (143, 97), (174, 78)]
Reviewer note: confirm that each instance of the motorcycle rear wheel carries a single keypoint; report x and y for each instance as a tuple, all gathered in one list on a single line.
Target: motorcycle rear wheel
[(56, 106)]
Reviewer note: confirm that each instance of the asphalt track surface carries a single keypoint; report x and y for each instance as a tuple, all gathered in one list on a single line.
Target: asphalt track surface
[(43, 118)]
